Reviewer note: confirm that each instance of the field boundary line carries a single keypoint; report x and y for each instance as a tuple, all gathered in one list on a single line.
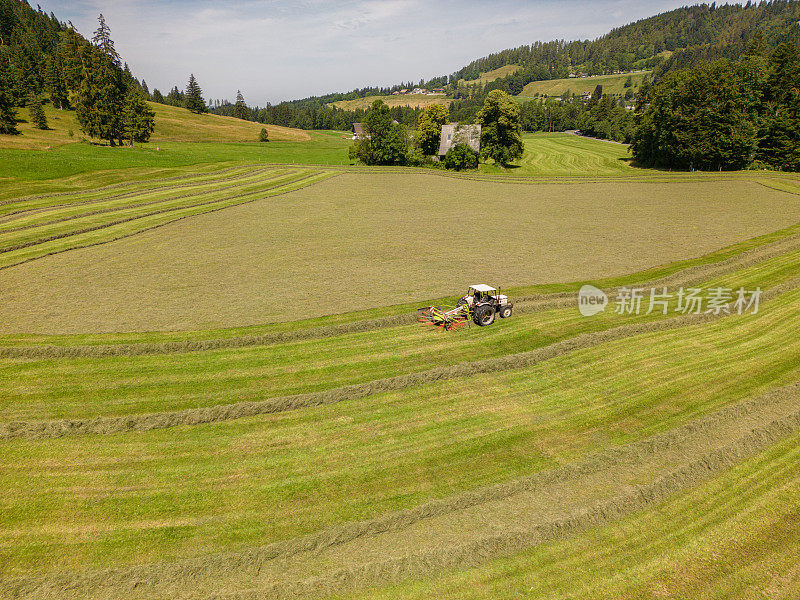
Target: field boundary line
[(225, 412)]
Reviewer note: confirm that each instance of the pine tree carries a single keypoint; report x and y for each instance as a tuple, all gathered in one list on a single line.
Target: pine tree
[(264, 135), (102, 39), (175, 97), (138, 119), (194, 97), (38, 118), (158, 96), (99, 102), (54, 82), (240, 110)]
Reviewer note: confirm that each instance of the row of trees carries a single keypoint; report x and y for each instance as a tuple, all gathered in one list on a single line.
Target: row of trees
[(387, 142), (724, 115)]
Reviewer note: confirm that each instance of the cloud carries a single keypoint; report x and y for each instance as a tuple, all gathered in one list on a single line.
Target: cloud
[(276, 50)]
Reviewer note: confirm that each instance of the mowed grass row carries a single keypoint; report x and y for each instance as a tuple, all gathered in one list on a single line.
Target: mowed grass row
[(165, 494), (45, 388), (736, 536), (100, 226), (86, 207), (563, 154), (11, 209)]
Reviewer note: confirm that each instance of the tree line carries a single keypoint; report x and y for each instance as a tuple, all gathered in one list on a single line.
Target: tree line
[(724, 114), (387, 142)]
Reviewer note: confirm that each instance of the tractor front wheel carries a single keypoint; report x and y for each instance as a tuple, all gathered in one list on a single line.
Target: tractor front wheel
[(484, 315), (505, 312)]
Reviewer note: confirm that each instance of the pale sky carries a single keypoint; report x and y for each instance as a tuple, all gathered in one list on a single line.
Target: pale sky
[(275, 50)]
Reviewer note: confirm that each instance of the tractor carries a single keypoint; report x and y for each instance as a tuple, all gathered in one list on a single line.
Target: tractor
[(481, 304), (484, 303)]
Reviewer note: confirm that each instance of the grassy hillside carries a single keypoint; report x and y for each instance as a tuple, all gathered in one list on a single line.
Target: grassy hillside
[(413, 100), (179, 125), (84, 165), (489, 76), (612, 84), (172, 124)]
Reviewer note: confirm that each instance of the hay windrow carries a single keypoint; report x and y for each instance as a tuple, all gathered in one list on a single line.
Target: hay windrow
[(156, 212), (123, 184), (759, 422), (13, 216), (238, 410), (290, 188)]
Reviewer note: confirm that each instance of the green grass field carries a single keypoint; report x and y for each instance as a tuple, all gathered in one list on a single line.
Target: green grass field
[(490, 76), (162, 438), (612, 84), (564, 154), (412, 100), (391, 256)]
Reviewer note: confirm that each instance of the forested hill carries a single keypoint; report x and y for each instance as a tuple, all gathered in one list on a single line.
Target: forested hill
[(39, 53), (677, 39), (729, 27)]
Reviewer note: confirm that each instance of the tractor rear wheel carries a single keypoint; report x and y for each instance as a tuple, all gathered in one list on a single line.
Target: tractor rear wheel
[(484, 315), (505, 312)]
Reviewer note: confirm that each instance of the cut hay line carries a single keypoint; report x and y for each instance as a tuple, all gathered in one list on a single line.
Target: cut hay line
[(225, 412), (730, 435), (95, 197), (291, 178), (91, 196), (417, 563), (277, 190), (524, 304), (207, 188), (117, 186)]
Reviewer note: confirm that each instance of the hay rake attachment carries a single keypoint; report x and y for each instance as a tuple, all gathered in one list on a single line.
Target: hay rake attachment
[(447, 320)]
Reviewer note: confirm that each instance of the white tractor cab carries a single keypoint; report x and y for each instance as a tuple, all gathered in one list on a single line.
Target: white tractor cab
[(484, 303)]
